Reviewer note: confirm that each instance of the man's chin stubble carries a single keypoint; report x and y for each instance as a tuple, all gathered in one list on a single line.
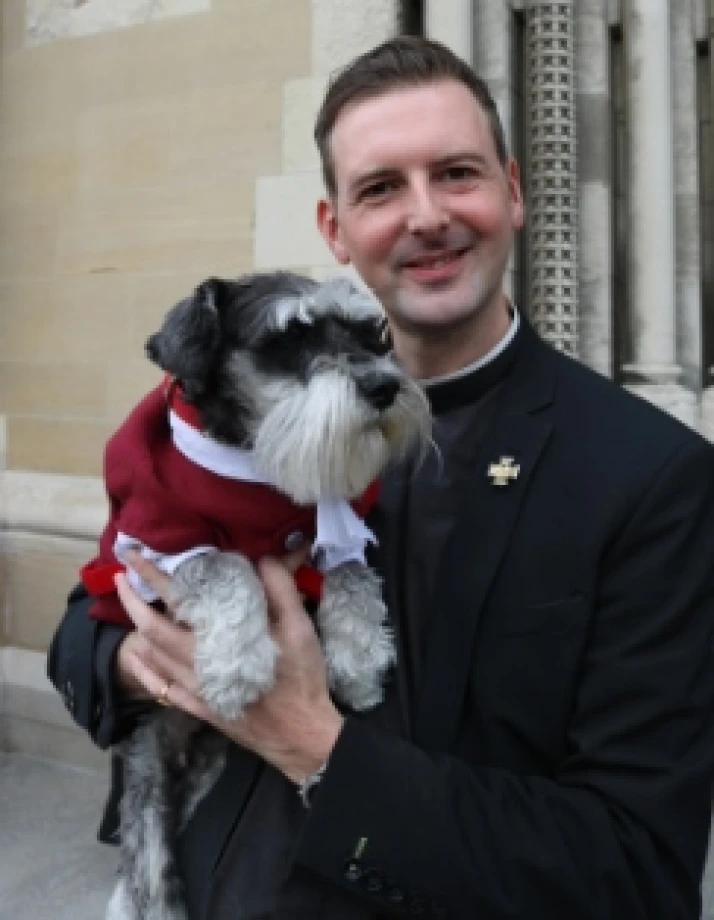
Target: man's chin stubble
[(439, 329)]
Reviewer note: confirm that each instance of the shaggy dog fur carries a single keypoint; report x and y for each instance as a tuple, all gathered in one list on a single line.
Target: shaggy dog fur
[(298, 374)]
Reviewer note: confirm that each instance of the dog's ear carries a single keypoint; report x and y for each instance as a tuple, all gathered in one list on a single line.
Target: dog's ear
[(188, 342)]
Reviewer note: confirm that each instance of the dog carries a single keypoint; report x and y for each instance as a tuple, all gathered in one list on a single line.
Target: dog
[(281, 407)]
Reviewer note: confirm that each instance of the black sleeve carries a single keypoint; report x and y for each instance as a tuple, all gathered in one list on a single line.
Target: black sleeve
[(619, 832), (81, 665)]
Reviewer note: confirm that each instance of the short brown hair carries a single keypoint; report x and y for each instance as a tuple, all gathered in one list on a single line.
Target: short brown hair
[(401, 62)]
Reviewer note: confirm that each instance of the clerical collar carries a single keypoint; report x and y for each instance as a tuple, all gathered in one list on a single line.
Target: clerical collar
[(470, 383)]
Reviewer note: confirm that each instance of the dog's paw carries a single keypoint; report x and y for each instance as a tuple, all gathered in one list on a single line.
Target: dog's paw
[(121, 906), (358, 644), (228, 689), (166, 912), (164, 904), (221, 597), (356, 669), (358, 695)]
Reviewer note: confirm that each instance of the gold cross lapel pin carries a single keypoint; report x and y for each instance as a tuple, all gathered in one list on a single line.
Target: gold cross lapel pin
[(504, 472)]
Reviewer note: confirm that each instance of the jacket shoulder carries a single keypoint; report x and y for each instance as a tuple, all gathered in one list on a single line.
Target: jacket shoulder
[(604, 413)]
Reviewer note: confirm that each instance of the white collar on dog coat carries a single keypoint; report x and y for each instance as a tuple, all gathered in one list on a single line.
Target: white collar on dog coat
[(341, 534)]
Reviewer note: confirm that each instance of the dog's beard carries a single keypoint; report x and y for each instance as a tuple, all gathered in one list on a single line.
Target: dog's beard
[(324, 441)]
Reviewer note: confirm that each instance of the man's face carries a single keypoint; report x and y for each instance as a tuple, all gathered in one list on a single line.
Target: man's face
[(423, 208)]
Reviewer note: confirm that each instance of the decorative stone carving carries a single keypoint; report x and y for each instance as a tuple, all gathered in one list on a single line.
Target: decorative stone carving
[(553, 214)]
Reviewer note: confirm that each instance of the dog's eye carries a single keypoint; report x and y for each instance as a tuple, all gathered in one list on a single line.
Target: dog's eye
[(376, 337), (294, 335), (299, 329)]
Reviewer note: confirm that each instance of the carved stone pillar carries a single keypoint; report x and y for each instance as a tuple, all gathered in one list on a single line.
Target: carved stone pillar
[(552, 141)]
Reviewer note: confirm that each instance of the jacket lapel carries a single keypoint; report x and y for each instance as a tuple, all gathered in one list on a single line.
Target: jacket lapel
[(387, 520), (476, 545)]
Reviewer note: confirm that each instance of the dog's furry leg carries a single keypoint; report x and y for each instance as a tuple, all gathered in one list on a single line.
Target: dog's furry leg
[(358, 644), (149, 886), (205, 760), (221, 597)]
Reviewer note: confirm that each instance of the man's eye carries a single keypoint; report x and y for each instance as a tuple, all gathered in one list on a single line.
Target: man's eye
[(377, 190), (459, 173)]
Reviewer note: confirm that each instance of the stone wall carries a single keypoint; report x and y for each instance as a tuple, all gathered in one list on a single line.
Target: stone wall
[(132, 136), (128, 161)]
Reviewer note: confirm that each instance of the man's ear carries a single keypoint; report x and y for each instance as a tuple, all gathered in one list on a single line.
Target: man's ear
[(515, 194), (329, 227), (188, 342)]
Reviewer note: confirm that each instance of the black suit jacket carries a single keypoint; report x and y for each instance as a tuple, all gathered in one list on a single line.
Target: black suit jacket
[(563, 739)]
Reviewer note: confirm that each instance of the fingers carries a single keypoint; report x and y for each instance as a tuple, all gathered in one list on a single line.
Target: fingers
[(126, 676), (164, 665), (290, 621), (167, 690), (279, 584), (155, 578), (171, 638)]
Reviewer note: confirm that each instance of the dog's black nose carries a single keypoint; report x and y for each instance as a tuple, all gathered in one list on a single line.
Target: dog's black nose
[(379, 389)]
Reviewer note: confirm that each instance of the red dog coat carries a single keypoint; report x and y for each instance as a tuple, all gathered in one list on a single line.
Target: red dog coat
[(171, 504)]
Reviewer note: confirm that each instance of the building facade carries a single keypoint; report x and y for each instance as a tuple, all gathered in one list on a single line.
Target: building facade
[(145, 146)]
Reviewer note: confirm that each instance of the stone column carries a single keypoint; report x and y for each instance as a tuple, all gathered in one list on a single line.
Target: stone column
[(553, 223), (688, 289), (653, 371), (594, 186), (451, 22)]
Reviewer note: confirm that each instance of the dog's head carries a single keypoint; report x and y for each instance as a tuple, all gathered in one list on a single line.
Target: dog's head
[(298, 371)]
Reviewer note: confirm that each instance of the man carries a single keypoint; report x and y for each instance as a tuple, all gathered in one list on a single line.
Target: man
[(546, 748)]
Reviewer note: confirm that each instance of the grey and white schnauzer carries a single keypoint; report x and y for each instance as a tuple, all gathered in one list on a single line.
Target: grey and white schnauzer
[(295, 388)]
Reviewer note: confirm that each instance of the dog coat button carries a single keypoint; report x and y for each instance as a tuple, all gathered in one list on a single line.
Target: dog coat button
[(294, 540), (353, 871)]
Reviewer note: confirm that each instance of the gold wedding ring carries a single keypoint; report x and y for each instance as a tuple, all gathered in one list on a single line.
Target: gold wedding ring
[(163, 698)]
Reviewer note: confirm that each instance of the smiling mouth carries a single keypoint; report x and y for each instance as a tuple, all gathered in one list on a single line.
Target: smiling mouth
[(426, 266)]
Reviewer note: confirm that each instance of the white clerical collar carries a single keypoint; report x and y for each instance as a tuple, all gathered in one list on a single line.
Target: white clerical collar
[(481, 362), (341, 534)]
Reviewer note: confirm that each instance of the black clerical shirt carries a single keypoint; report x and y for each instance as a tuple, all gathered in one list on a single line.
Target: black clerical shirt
[(256, 879)]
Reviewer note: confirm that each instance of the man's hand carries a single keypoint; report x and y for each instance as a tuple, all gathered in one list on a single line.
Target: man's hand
[(159, 651), (294, 726)]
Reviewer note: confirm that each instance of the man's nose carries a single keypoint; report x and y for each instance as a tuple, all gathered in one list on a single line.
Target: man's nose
[(426, 211)]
